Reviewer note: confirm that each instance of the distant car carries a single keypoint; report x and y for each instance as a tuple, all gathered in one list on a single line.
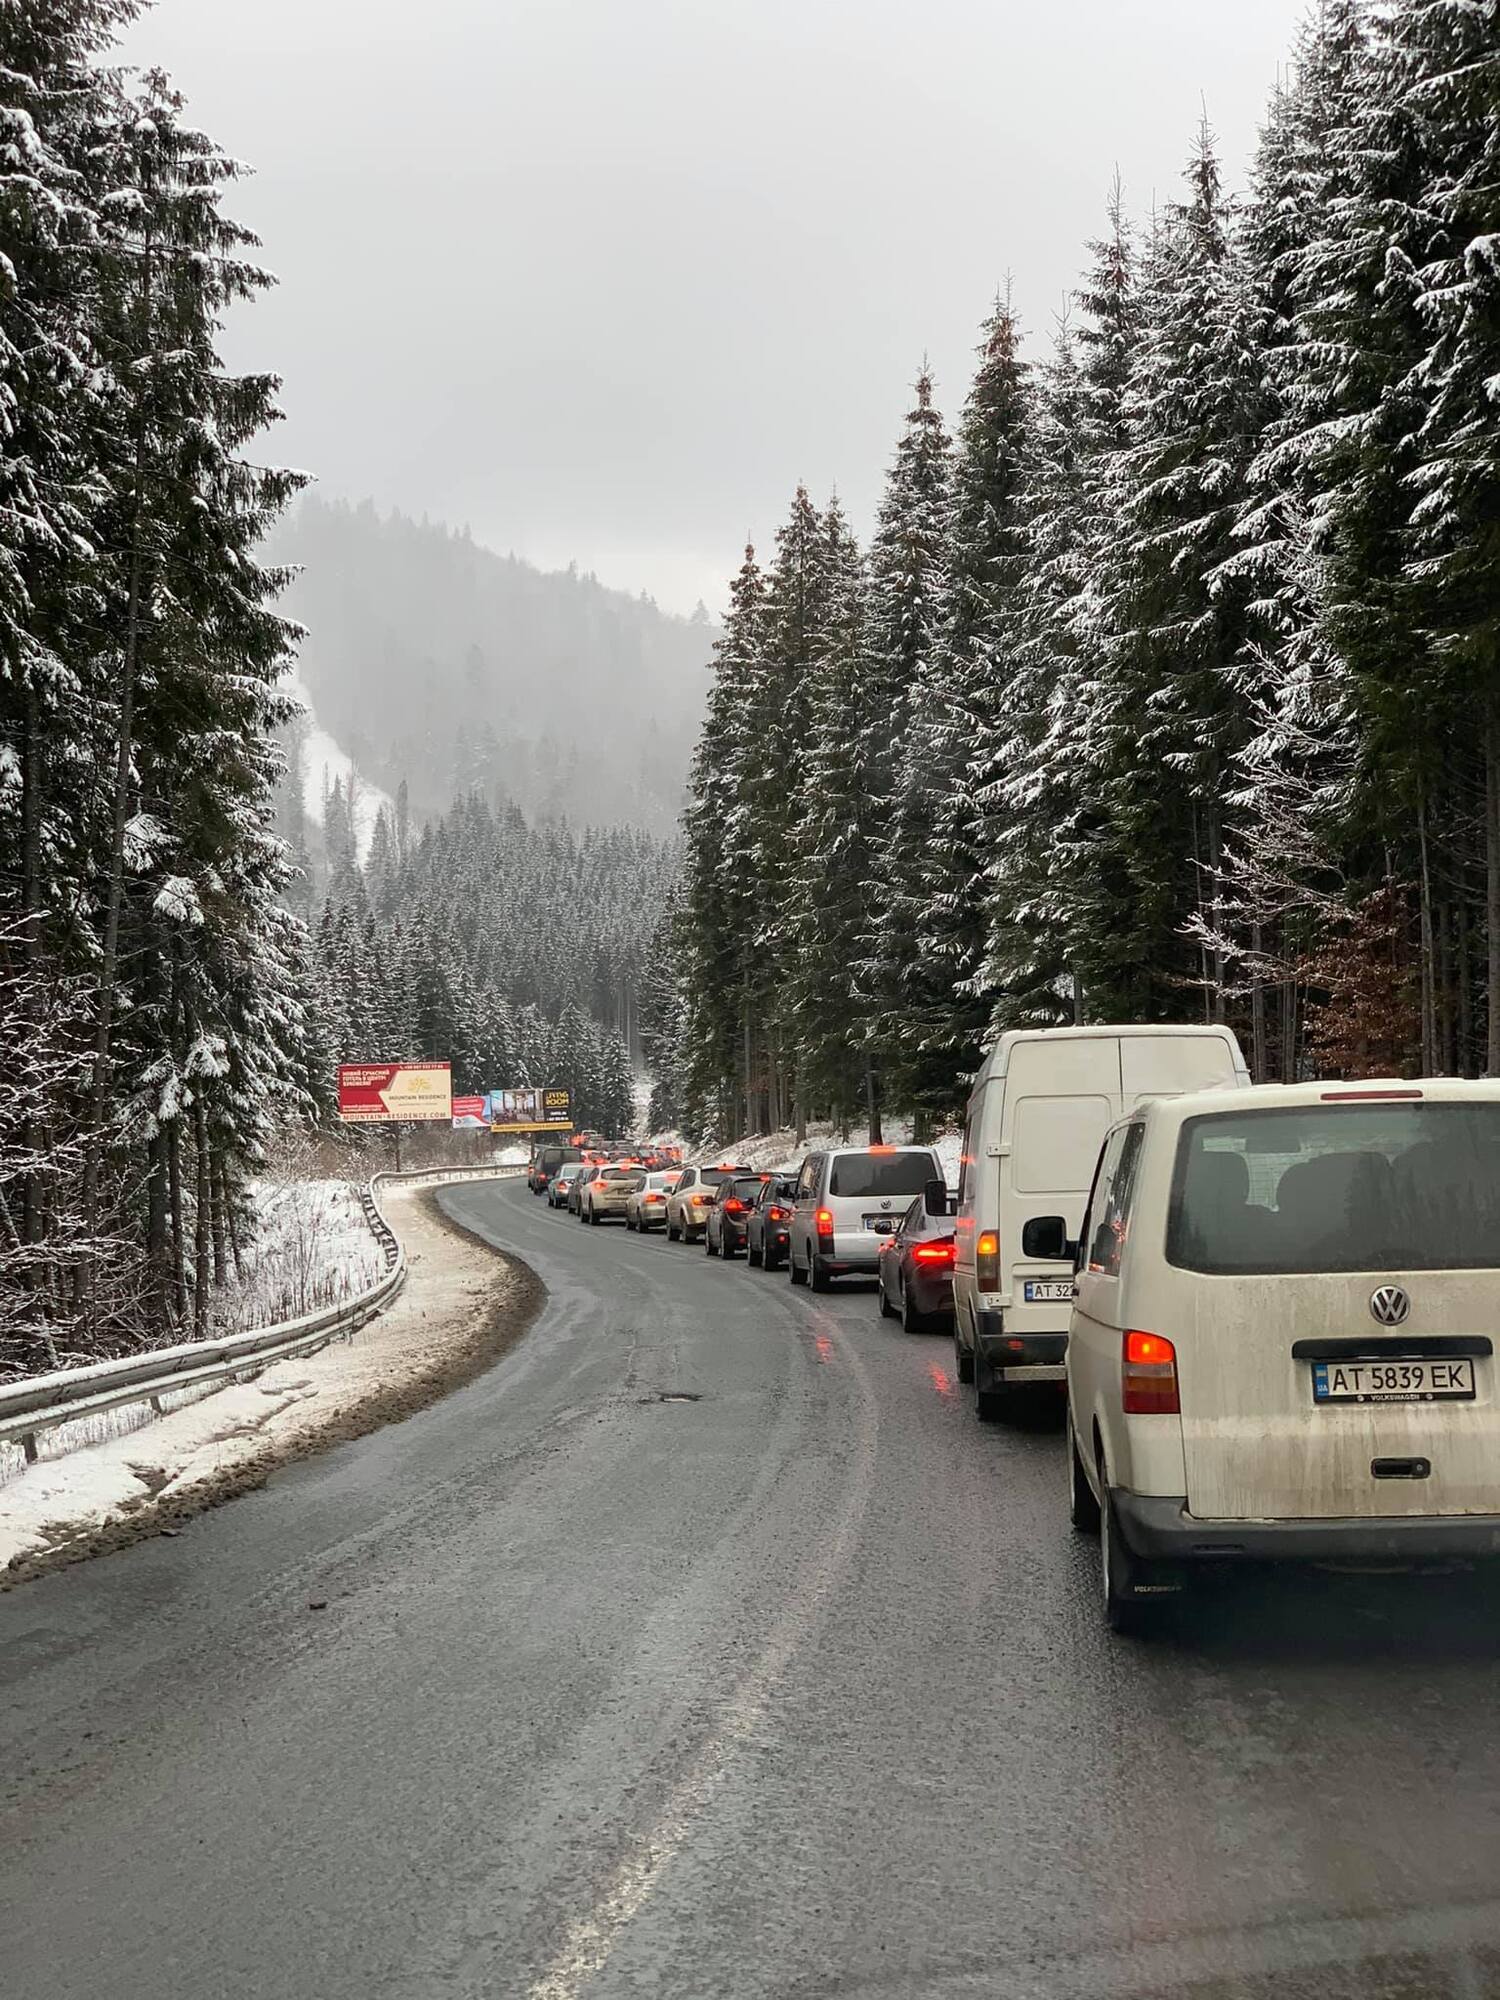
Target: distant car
[(561, 1184), (916, 1269), (848, 1200), (647, 1207), (691, 1199), (724, 1227), (546, 1162), (768, 1226), (604, 1193)]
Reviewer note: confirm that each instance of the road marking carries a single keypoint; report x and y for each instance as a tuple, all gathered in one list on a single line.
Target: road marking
[(590, 1940)]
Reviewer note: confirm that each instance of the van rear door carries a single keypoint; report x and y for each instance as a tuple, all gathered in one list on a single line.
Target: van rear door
[(1061, 1098), (1175, 1065), (1318, 1381)]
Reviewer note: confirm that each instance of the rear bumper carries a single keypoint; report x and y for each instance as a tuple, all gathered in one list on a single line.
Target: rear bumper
[(1040, 1355), (1163, 1528), (932, 1296)]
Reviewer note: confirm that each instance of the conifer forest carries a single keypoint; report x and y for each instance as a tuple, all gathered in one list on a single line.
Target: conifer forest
[(1168, 685)]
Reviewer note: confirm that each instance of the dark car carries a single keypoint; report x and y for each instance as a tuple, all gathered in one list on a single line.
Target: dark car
[(767, 1227), (545, 1162), (916, 1269), (724, 1230)]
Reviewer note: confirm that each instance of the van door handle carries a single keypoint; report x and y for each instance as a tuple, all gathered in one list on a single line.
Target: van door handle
[(1400, 1468)]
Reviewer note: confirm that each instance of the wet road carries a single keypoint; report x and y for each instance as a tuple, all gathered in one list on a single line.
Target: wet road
[(708, 1646)]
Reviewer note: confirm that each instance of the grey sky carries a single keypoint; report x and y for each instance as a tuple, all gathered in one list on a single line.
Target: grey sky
[(604, 278)]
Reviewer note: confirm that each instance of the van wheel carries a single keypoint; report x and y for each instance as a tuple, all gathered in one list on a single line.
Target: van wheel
[(794, 1270), (819, 1277), (963, 1360), (1083, 1508), (1130, 1603)]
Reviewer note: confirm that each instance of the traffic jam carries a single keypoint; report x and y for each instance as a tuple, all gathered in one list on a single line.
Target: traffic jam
[(1268, 1310)]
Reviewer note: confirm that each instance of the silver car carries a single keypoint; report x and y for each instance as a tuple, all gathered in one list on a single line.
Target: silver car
[(647, 1207)]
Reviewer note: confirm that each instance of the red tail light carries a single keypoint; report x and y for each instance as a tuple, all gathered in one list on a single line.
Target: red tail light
[(734, 1206), (987, 1261), (933, 1253), (779, 1214), (1148, 1376), (824, 1221), (658, 1199)]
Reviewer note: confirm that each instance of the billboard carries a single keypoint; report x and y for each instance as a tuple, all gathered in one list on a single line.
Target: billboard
[(531, 1110), (470, 1114), (395, 1093)]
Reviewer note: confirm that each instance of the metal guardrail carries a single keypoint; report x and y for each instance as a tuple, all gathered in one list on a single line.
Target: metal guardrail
[(42, 1402)]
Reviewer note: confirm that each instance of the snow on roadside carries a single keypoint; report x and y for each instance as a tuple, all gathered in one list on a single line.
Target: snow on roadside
[(781, 1150), (455, 1288), (313, 1248)]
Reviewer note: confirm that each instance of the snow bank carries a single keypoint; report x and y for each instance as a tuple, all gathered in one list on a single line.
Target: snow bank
[(181, 1461), (313, 1248)]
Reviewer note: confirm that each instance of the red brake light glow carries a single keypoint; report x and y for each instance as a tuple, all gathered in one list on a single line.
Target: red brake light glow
[(1148, 1376), (1359, 1096), (933, 1253), (734, 1206), (824, 1221)]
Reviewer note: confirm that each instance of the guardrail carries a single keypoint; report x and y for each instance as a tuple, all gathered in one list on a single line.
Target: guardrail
[(42, 1402)]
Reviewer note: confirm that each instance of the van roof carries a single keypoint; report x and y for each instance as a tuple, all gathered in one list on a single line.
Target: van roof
[(1368, 1089), (996, 1062)]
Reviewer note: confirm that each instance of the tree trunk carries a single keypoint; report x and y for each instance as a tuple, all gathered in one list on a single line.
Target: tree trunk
[(203, 1202), (1257, 1012), (174, 1198), (157, 1253), (872, 1102), (1492, 892), (1429, 1009), (220, 1191), (234, 1229)]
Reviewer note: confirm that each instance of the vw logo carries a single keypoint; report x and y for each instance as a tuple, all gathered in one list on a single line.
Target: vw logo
[(886, 1205), (1389, 1304)]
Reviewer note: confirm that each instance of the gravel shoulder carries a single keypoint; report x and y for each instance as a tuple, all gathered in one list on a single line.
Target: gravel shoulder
[(463, 1306)]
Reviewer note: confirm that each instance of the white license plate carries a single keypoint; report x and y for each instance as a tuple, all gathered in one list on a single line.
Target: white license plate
[(882, 1225), (1047, 1291), (1393, 1381)]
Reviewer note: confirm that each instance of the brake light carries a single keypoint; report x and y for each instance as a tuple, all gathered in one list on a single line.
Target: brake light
[(987, 1261), (1359, 1096), (779, 1214), (881, 1149), (1148, 1376), (823, 1221), (933, 1253), (734, 1206), (655, 1197)]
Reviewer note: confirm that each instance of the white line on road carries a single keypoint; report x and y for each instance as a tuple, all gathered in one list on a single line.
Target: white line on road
[(590, 1940)]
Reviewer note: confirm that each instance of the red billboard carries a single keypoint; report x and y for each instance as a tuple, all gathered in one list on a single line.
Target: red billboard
[(469, 1114), (395, 1093)]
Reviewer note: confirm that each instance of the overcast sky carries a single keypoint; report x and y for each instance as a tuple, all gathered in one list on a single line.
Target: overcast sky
[(605, 278)]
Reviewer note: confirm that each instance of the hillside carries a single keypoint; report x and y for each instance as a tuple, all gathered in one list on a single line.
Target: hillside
[(438, 662)]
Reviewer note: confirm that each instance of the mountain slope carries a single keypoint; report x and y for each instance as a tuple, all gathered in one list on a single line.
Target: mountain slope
[(438, 662)]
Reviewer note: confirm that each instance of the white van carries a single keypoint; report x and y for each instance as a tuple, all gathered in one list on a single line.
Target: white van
[(1283, 1340), (1040, 1107), (848, 1201)]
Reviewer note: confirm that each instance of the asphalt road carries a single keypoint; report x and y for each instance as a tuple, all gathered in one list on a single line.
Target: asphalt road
[(708, 1646)]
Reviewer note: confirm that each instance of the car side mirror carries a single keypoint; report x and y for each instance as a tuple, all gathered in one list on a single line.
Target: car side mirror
[(935, 1197), (1046, 1238)]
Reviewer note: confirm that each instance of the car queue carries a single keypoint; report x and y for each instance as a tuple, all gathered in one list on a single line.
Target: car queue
[(1272, 1308)]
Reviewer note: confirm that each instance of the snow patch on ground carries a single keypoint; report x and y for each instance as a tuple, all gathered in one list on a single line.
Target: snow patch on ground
[(454, 1284), (313, 1249), (322, 762)]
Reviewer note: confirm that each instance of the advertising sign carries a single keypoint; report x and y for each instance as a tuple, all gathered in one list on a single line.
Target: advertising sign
[(395, 1093), (470, 1114), (531, 1110)]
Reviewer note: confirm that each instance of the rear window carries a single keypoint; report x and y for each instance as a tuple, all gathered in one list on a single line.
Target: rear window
[(748, 1187), (553, 1156), (864, 1174), (1355, 1187), (711, 1176)]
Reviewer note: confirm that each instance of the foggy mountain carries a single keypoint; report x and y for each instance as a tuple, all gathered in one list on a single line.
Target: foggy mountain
[(433, 660)]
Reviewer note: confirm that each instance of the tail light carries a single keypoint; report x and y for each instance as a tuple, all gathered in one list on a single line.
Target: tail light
[(823, 1221), (987, 1261), (779, 1214), (1148, 1376), (734, 1206), (655, 1198), (933, 1253)]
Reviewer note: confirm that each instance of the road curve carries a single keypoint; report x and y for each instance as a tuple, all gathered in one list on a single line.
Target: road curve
[(708, 1646)]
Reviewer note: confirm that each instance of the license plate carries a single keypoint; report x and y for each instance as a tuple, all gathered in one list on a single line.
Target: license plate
[(1047, 1291), (1393, 1381), (883, 1225)]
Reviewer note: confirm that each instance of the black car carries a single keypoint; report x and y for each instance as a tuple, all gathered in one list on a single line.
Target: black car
[(724, 1231), (545, 1162), (916, 1270), (766, 1226)]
